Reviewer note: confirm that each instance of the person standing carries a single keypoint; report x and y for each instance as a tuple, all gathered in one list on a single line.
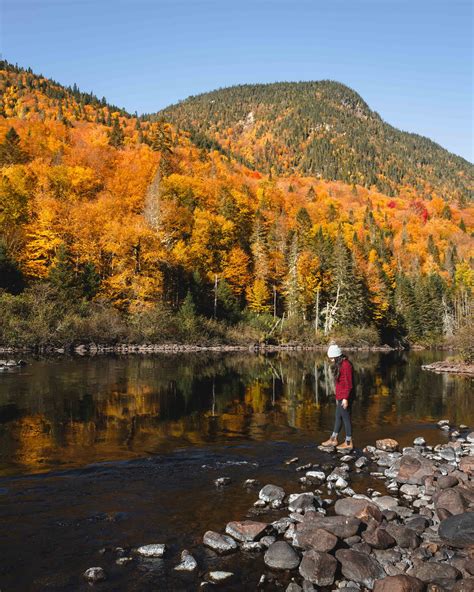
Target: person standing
[(342, 370)]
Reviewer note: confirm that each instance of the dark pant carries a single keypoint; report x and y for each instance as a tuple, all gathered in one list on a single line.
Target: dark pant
[(343, 415)]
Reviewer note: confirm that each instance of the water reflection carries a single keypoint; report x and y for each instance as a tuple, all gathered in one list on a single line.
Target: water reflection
[(74, 412)]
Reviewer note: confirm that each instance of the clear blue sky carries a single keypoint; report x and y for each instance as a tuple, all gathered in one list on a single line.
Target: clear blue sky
[(410, 60)]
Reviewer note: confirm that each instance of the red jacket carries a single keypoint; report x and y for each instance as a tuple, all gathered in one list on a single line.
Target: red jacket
[(344, 382)]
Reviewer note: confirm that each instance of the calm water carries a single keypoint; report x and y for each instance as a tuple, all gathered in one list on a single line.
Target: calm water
[(103, 452)]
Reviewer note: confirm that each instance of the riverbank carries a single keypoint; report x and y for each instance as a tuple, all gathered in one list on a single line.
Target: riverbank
[(97, 349), (450, 366), (415, 534)]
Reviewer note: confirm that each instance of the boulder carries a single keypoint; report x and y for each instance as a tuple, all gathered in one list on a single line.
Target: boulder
[(449, 499), (404, 536), (411, 468), (458, 530), (221, 543), (401, 583), (387, 445), (359, 567), (359, 508), (466, 585), (378, 538), (433, 571), (340, 526), (301, 502), (316, 539), (281, 556), (247, 530), (446, 481), (318, 568), (271, 493)]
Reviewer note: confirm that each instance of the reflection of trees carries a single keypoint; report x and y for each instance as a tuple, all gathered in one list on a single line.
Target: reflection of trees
[(87, 409)]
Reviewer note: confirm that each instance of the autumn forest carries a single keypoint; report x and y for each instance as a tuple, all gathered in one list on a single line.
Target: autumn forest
[(279, 213)]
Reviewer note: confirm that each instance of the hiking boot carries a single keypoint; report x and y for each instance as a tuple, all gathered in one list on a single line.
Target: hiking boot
[(330, 442), (346, 445)]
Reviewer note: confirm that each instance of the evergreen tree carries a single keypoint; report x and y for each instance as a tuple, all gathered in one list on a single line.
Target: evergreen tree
[(89, 280), (62, 275), (10, 150), (116, 135), (352, 307)]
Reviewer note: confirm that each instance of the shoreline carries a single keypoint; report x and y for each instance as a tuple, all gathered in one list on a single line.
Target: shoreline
[(151, 348)]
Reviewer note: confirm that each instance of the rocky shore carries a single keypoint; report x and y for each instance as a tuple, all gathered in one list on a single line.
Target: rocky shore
[(415, 534), (449, 366), (93, 349)]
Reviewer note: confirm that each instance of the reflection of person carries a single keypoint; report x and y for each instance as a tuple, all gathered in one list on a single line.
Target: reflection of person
[(342, 370)]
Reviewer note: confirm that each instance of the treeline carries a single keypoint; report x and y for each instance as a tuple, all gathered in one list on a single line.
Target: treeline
[(132, 232), (320, 129)]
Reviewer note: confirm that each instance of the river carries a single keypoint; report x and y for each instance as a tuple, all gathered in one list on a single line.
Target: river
[(106, 452)]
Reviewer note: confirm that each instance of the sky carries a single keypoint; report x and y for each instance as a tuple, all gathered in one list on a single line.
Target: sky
[(410, 60)]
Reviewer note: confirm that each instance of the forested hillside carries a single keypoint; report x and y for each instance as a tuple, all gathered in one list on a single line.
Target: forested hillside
[(322, 129), (119, 228)]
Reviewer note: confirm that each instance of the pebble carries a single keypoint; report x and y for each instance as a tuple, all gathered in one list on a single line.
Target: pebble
[(221, 481)]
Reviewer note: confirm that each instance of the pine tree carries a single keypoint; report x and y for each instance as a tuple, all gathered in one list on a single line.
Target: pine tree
[(116, 135), (62, 275), (10, 150)]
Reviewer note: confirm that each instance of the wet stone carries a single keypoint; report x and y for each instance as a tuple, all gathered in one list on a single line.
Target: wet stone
[(247, 530), (301, 502), (271, 493), (220, 576), (188, 563), (95, 574), (281, 555), (153, 550), (387, 445), (124, 560), (221, 543)]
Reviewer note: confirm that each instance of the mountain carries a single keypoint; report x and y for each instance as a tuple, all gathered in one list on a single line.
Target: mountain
[(322, 129), (137, 227)]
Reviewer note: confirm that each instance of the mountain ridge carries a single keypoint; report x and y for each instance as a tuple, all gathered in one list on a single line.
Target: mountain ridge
[(336, 137)]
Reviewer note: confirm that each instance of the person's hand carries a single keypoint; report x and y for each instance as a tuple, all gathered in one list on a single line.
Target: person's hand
[(345, 403)]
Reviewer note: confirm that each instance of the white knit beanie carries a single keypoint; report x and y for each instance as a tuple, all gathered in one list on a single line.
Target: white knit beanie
[(334, 351)]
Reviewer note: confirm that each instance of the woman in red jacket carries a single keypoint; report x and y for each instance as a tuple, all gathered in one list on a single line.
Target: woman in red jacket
[(342, 370)]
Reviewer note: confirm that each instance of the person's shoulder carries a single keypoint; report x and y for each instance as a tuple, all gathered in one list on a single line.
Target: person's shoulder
[(347, 363)]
